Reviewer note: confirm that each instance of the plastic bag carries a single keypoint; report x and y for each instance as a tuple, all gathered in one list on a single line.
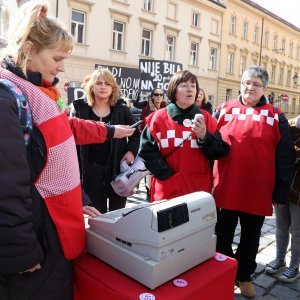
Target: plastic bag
[(129, 177)]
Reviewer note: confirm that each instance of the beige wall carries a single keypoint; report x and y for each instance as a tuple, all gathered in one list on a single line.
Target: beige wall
[(257, 51), (97, 48), (100, 15)]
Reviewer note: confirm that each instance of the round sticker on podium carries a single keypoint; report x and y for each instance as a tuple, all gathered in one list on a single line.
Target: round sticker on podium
[(220, 257), (180, 282), (147, 296)]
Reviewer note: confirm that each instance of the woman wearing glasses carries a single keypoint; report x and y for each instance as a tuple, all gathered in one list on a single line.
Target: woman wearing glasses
[(156, 101), (177, 147), (254, 175)]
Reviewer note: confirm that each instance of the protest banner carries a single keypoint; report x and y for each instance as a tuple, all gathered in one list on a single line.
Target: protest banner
[(156, 73), (75, 93), (128, 80)]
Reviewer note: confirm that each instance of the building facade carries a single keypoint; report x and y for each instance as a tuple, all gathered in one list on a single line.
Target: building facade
[(215, 39), (254, 36), (120, 32)]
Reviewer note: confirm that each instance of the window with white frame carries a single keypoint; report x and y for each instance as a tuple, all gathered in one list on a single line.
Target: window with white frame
[(228, 94), (78, 26), (275, 42), (172, 10), (245, 30), (232, 28), (264, 65), (194, 52), (273, 73), (118, 36), (298, 52), (266, 39), (291, 49), (196, 19), (146, 42), (254, 62), (148, 5), (242, 65), (283, 45), (170, 48), (230, 62), (280, 79), (256, 34), (214, 26), (288, 78), (213, 58)]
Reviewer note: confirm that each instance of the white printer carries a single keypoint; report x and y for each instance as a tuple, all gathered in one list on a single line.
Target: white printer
[(153, 243)]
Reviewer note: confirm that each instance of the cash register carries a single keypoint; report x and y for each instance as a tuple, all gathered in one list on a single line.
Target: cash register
[(155, 242)]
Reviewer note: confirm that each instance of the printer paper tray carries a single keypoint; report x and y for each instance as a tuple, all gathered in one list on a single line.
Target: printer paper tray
[(147, 271)]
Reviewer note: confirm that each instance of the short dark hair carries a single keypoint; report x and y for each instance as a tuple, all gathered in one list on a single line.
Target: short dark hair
[(178, 77)]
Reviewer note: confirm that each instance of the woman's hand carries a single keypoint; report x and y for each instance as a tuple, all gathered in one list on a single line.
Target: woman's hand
[(91, 211), (128, 157), (199, 127), (122, 131)]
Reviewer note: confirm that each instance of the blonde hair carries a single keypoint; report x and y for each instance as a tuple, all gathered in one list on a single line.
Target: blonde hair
[(108, 77), (32, 24), (85, 80)]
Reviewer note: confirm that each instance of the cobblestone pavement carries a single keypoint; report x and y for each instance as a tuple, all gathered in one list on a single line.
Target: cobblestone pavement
[(267, 287)]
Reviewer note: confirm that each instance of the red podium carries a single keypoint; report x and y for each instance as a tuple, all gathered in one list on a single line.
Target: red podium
[(211, 280)]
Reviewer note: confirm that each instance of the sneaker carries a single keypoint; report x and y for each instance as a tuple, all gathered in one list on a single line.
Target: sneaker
[(246, 288), (274, 266), (289, 275)]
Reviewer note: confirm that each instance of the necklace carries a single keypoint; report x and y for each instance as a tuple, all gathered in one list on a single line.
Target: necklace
[(101, 115)]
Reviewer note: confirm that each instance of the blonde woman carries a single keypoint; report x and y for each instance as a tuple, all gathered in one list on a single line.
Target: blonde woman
[(100, 163)]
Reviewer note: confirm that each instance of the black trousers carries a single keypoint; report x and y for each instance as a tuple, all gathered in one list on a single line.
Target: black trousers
[(100, 191), (249, 239), (52, 282)]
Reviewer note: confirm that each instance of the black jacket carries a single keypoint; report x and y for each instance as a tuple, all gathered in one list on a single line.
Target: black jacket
[(121, 115), (27, 233), (294, 193)]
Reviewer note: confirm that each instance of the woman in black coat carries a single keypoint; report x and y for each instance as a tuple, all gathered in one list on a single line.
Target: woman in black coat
[(100, 163)]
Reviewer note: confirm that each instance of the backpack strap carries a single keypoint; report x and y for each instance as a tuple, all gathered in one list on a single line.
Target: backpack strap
[(24, 111)]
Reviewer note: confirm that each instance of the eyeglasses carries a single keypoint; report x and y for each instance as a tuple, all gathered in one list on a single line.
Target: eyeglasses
[(158, 94), (253, 84)]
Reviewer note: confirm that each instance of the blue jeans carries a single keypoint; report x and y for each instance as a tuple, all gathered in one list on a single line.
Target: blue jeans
[(288, 221)]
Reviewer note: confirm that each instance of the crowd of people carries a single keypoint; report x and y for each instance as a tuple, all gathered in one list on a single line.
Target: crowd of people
[(56, 168)]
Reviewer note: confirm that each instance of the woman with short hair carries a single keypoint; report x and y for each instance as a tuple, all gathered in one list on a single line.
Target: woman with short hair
[(177, 145), (254, 175)]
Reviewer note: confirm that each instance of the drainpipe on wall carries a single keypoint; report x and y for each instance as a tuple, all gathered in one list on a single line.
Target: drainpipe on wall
[(57, 8), (261, 40)]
